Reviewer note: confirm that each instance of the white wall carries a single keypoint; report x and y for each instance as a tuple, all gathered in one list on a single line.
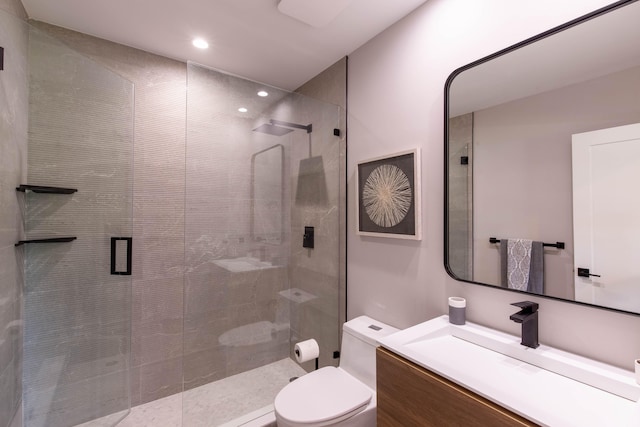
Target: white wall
[(396, 96)]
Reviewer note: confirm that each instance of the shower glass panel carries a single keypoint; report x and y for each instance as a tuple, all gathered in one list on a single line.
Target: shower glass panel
[(258, 170), (13, 151), (77, 313)]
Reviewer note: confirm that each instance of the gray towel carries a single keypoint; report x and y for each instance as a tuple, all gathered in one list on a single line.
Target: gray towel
[(522, 267), (536, 269)]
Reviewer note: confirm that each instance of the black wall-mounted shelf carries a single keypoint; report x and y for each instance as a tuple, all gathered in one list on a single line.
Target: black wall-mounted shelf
[(51, 240), (44, 189)]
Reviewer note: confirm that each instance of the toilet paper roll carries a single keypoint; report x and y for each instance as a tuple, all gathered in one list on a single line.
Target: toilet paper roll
[(306, 350)]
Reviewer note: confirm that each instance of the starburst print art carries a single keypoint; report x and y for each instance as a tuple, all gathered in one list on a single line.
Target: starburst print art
[(386, 195)]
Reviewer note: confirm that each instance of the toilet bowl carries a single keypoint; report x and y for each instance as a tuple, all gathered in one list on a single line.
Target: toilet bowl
[(344, 396)]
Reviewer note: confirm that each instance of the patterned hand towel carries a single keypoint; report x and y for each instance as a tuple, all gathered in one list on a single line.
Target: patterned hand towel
[(522, 265)]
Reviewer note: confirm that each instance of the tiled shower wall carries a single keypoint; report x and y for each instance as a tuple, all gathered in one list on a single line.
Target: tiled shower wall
[(159, 223), (77, 315), (252, 317), (158, 211), (234, 320), (13, 172), (321, 271), (461, 196)]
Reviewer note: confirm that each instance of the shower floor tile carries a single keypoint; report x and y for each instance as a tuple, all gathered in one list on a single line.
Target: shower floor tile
[(213, 404)]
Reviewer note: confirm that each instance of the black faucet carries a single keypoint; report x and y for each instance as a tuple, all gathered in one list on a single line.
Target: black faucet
[(528, 316)]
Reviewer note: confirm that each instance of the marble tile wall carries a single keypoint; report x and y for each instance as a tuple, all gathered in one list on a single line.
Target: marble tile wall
[(158, 208), (218, 226), (322, 271), (14, 8), (13, 172), (235, 317), (78, 316)]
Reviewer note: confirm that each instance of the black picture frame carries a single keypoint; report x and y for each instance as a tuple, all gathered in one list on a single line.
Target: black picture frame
[(388, 196)]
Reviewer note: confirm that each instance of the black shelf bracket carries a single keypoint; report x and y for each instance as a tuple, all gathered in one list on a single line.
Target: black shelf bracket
[(51, 240), (585, 272), (44, 189)]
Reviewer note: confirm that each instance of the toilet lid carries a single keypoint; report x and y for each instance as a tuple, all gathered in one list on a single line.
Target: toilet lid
[(322, 395)]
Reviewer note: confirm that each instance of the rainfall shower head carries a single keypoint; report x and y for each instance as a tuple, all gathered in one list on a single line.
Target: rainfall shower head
[(270, 129), (312, 182), (280, 128)]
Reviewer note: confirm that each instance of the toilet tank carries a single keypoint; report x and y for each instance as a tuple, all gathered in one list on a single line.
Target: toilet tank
[(358, 353)]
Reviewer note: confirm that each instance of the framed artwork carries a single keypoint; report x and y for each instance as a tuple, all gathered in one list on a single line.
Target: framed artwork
[(388, 192)]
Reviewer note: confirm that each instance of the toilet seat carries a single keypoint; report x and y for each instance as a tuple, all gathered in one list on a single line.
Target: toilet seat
[(321, 398)]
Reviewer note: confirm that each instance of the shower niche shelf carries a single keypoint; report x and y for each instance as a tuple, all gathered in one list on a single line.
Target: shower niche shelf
[(50, 240), (45, 189)]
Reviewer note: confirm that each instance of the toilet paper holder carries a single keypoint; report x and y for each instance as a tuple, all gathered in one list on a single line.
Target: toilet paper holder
[(297, 352), (306, 351)]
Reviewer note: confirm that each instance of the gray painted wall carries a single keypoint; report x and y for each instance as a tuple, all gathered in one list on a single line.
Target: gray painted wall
[(13, 172), (396, 101)]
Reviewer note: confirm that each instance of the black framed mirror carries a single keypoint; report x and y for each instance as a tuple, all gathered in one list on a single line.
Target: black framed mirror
[(540, 163)]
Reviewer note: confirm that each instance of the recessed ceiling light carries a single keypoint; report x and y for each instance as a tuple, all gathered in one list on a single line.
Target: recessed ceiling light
[(263, 93), (242, 110), (200, 43)]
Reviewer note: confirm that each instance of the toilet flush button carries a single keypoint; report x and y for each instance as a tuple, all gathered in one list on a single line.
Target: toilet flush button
[(375, 328)]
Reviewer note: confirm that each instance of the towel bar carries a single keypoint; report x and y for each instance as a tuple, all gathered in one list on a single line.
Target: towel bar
[(559, 245)]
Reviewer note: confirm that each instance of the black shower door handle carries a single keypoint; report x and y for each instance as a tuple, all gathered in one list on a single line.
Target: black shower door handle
[(115, 252)]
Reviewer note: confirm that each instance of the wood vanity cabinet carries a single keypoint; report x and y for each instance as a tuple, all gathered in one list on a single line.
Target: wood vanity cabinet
[(409, 395)]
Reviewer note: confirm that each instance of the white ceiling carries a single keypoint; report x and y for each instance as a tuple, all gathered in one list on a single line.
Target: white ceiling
[(249, 38)]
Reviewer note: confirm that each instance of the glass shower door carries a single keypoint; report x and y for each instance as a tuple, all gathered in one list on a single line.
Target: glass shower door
[(260, 170), (77, 298)]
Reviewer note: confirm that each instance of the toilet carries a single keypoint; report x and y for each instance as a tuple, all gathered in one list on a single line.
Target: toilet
[(343, 396)]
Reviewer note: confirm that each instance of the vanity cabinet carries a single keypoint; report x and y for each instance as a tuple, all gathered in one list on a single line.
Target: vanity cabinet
[(409, 395)]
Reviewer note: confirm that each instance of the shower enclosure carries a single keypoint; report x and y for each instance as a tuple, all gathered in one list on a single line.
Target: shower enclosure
[(259, 170), (262, 227)]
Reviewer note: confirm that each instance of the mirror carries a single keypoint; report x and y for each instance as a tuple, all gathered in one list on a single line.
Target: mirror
[(267, 196), (516, 158)]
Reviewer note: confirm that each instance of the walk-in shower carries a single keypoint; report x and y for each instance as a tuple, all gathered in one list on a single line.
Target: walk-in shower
[(210, 225), (251, 290)]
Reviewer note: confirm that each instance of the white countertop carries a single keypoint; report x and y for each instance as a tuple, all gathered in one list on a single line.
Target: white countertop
[(542, 396)]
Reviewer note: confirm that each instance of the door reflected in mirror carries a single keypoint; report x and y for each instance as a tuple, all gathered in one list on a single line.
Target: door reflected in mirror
[(509, 173)]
